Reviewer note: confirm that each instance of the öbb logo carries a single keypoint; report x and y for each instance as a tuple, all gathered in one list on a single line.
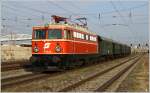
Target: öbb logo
[(47, 45)]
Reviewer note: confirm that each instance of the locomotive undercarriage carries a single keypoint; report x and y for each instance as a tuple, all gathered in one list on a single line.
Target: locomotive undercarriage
[(63, 61), (66, 61)]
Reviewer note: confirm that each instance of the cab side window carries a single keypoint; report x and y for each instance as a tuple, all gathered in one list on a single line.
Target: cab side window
[(67, 34)]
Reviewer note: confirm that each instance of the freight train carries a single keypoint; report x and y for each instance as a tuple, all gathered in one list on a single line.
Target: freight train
[(65, 45)]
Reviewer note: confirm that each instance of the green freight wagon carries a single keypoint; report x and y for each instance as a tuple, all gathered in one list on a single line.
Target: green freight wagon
[(108, 47), (105, 47), (117, 49)]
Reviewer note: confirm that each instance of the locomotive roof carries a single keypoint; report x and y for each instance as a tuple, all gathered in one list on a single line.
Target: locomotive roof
[(69, 26)]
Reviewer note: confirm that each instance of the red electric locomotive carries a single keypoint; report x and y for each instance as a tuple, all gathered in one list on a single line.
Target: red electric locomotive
[(63, 45)]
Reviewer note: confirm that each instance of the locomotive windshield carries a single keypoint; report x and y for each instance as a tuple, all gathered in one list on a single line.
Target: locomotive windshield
[(54, 34), (39, 34)]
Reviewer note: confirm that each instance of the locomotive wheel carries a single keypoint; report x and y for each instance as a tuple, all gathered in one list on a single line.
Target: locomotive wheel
[(81, 63), (62, 66)]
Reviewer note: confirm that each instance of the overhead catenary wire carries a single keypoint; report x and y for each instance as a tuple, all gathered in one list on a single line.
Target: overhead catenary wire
[(43, 12), (27, 9), (93, 23), (95, 17), (121, 16), (63, 9), (66, 10), (31, 9), (16, 10), (52, 2), (70, 12)]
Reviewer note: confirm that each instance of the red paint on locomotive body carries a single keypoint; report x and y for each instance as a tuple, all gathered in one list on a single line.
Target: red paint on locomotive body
[(67, 44), (67, 47)]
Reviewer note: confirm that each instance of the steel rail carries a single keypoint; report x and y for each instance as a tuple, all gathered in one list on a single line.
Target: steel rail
[(114, 78), (96, 75)]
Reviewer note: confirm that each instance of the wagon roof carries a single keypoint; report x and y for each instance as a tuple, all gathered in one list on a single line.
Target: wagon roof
[(107, 39), (110, 40)]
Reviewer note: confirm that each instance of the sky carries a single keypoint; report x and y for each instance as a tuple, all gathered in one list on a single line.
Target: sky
[(125, 21)]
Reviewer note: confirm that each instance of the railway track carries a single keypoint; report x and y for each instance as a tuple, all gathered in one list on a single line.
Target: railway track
[(15, 62), (114, 78), (13, 81), (7, 66), (107, 83)]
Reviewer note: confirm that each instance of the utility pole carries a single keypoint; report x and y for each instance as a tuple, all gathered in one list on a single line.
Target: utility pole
[(11, 38)]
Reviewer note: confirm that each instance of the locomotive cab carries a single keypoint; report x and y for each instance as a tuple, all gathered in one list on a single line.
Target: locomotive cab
[(51, 45), (50, 40), (41, 38)]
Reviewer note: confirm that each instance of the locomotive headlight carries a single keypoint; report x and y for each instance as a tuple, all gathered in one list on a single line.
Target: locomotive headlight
[(36, 49), (58, 48)]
